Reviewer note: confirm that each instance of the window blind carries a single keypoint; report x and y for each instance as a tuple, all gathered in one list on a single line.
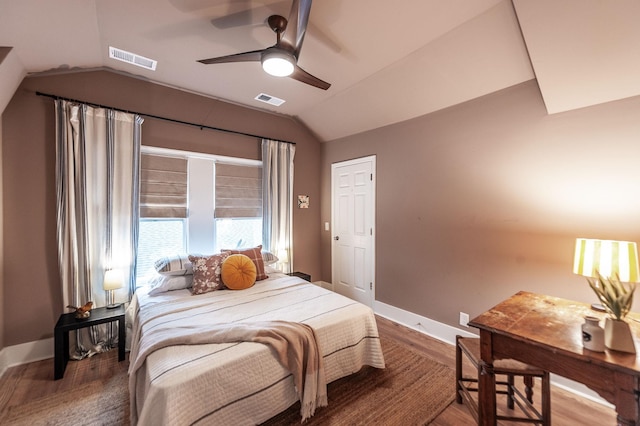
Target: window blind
[(163, 186), (238, 191)]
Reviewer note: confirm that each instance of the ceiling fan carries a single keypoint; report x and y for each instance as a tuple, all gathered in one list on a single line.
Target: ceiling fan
[(281, 59)]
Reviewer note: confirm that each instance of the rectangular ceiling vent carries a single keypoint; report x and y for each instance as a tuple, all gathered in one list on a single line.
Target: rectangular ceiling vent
[(132, 58), (271, 100)]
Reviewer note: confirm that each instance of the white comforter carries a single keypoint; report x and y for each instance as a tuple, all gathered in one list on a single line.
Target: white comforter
[(242, 383)]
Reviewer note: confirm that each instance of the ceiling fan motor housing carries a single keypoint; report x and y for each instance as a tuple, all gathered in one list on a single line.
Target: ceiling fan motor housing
[(278, 62)]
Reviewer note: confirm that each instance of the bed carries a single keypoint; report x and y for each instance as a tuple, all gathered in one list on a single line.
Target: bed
[(240, 383)]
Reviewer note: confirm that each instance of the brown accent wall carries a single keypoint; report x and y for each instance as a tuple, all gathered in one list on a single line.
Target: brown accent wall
[(486, 198), (32, 299)]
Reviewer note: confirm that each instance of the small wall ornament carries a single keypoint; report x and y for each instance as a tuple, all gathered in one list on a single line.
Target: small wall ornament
[(303, 201)]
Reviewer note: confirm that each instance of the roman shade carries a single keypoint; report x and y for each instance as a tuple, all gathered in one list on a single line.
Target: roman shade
[(238, 191), (163, 186)]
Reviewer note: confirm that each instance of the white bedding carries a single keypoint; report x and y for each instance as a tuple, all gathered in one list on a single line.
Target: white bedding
[(242, 383)]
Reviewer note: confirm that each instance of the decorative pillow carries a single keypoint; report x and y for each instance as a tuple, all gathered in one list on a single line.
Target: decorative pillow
[(269, 258), (238, 272), (174, 265), (255, 254), (268, 269), (163, 283), (206, 273)]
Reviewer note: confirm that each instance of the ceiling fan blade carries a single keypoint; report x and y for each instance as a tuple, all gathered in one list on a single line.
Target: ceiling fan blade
[(304, 77), (247, 16), (237, 19), (253, 56), (293, 35)]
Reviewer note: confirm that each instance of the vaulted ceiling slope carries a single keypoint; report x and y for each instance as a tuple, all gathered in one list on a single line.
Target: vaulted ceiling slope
[(387, 61)]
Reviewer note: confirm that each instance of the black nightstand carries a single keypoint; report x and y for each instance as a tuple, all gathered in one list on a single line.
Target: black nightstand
[(68, 322), (300, 275)]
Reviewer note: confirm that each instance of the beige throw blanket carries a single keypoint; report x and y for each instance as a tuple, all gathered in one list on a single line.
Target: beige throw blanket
[(293, 343)]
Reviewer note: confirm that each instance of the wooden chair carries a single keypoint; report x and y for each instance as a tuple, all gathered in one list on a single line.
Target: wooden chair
[(527, 413)]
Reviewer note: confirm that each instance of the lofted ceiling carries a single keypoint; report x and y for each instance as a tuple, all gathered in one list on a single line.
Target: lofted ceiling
[(387, 61)]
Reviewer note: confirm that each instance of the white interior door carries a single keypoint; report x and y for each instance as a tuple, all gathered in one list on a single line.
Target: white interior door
[(353, 219)]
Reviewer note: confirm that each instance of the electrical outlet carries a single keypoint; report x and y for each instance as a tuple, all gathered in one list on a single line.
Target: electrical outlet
[(464, 319)]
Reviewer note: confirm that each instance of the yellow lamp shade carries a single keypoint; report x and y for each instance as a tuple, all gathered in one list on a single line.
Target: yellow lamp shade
[(607, 258)]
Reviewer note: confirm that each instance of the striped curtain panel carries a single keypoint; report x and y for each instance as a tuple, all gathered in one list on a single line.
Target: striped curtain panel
[(277, 199), (97, 180)]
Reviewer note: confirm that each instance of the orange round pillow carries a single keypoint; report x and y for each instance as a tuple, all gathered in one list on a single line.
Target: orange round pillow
[(238, 272)]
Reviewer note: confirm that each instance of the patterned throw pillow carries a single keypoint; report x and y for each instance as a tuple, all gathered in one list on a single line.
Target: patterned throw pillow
[(174, 265), (269, 258), (206, 273), (255, 254)]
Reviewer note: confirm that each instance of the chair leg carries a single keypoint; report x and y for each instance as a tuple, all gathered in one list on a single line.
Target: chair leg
[(510, 386), (528, 386)]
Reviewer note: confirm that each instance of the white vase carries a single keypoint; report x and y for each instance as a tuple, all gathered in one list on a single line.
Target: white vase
[(592, 334), (617, 336)]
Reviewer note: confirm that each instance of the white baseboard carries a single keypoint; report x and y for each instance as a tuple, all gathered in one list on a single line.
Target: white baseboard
[(324, 284), (424, 325), (25, 353), (447, 334)]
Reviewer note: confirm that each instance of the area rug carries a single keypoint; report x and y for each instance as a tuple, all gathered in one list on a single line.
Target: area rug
[(412, 390), (94, 403)]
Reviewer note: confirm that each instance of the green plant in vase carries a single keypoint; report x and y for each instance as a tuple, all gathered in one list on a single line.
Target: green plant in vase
[(617, 298)]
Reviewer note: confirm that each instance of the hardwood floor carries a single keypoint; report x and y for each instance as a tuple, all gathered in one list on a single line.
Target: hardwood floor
[(23, 383)]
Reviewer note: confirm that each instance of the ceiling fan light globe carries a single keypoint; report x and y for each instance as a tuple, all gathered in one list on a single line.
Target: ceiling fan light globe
[(277, 63)]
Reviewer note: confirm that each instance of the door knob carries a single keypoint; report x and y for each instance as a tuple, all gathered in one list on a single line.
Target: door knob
[(336, 238)]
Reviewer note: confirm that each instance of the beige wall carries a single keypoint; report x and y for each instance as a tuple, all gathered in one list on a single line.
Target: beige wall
[(32, 298), (486, 198)]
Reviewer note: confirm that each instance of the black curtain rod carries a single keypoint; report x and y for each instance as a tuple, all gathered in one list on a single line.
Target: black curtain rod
[(157, 117)]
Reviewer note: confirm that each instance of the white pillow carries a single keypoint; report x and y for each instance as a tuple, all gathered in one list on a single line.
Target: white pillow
[(174, 265), (271, 270), (269, 258), (163, 283)]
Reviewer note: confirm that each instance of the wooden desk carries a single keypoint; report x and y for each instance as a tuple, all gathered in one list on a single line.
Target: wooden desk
[(545, 331)]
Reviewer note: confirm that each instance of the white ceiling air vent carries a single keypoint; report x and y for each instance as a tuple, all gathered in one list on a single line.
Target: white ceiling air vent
[(132, 58), (272, 100)]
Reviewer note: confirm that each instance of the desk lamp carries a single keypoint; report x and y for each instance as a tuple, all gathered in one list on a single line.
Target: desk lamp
[(113, 280), (608, 258)]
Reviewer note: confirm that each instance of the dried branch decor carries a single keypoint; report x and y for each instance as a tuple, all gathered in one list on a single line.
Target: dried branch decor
[(615, 296)]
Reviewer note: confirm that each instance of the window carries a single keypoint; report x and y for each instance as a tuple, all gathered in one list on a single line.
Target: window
[(191, 203), (158, 238), (238, 205), (235, 233)]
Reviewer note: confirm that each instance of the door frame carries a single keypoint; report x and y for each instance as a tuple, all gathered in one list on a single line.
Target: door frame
[(370, 159)]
